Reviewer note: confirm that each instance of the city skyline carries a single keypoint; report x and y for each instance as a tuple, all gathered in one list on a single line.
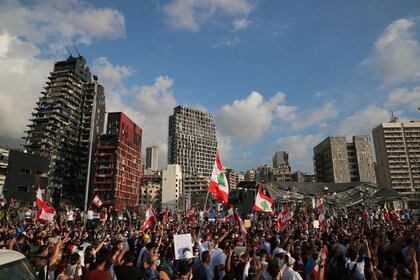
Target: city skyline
[(269, 83)]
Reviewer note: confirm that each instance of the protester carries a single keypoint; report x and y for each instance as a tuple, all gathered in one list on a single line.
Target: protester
[(350, 244)]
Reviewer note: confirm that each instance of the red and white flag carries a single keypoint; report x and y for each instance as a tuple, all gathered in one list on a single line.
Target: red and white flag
[(284, 217), (319, 202), (218, 185), (230, 215), (263, 203), (322, 222), (314, 272), (45, 212), (239, 222), (97, 201), (150, 218), (191, 212), (165, 216)]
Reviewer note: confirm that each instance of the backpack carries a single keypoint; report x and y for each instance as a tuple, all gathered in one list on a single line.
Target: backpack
[(349, 272)]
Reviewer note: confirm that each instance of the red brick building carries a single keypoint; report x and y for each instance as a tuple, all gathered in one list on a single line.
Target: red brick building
[(117, 174)]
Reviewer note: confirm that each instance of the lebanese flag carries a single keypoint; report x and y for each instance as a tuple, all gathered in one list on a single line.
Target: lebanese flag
[(322, 222), (218, 183), (97, 201), (191, 212), (165, 216), (150, 218), (230, 215), (319, 202), (263, 203), (314, 271), (45, 212), (284, 217), (239, 223)]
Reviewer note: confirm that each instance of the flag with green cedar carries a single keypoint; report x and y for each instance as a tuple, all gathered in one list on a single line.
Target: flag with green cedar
[(263, 203)]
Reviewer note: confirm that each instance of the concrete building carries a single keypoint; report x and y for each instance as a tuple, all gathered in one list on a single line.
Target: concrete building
[(397, 149), (172, 188), (280, 158), (117, 176), (151, 188), (250, 175), (68, 117), (192, 141), (336, 161), (152, 157), (195, 189), (4, 159), (232, 177), (302, 177), (26, 173), (281, 174)]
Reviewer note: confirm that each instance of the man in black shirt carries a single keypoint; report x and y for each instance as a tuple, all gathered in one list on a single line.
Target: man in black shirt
[(128, 270)]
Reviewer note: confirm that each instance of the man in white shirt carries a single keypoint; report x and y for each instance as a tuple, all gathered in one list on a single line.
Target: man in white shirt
[(289, 273)]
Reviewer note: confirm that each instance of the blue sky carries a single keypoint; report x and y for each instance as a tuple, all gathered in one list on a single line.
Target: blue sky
[(275, 74)]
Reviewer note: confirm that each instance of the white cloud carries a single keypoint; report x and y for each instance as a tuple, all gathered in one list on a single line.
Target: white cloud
[(300, 149), (59, 23), (247, 119), (241, 23), (226, 42), (148, 105), (316, 117), (191, 14), (404, 96), (22, 76), (363, 121), (396, 53)]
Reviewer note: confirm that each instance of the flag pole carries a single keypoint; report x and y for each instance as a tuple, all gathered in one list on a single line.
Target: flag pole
[(204, 210)]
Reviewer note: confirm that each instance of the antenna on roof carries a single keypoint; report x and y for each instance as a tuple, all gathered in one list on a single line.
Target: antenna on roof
[(76, 50), (68, 51)]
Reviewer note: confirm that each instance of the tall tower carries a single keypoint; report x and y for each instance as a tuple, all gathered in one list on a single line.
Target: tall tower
[(192, 141), (397, 149), (280, 158), (152, 157), (337, 161), (117, 176), (68, 115)]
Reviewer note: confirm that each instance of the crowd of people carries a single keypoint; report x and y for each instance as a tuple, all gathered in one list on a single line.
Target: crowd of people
[(112, 245)]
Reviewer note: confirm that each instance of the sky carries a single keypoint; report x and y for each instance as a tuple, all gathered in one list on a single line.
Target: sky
[(276, 75)]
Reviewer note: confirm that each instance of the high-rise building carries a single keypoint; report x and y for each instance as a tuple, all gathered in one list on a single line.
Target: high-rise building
[(151, 188), (280, 158), (336, 161), (4, 159), (172, 187), (68, 117), (397, 149), (152, 157), (192, 141), (118, 173), (250, 175)]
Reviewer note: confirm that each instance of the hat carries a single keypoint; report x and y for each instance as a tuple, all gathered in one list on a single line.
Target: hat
[(278, 251), (291, 261)]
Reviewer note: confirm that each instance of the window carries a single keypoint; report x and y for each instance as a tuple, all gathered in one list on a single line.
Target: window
[(23, 189), (25, 171), (40, 173)]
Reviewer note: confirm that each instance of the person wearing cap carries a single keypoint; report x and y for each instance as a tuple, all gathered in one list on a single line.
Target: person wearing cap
[(278, 254), (289, 273)]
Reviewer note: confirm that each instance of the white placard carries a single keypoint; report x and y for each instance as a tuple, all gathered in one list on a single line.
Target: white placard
[(182, 241), (316, 224)]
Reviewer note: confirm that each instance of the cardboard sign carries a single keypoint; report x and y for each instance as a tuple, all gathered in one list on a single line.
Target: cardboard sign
[(247, 223), (182, 241), (238, 251), (316, 224)]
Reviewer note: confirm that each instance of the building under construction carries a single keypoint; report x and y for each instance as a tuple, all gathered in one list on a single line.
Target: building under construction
[(66, 124)]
